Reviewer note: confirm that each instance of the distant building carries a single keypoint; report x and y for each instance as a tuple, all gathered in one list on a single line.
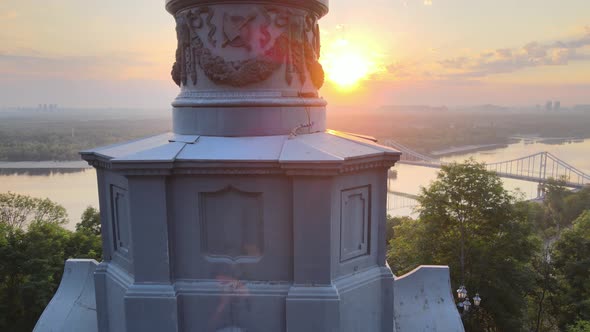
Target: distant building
[(549, 106), (556, 105), (47, 107)]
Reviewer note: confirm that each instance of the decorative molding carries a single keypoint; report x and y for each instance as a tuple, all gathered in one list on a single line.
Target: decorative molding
[(368, 165), (100, 164), (120, 225), (345, 167), (228, 171), (220, 287), (183, 101), (232, 225), (117, 274), (291, 48), (313, 292), (230, 94), (143, 171), (318, 7), (237, 31), (292, 169), (351, 282), (151, 290), (355, 222)]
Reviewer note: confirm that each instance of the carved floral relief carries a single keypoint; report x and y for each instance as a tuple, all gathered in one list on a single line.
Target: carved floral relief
[(297, 46)]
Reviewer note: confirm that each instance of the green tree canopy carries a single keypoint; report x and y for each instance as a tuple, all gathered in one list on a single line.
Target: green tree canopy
[(572, 263), (467, 215), (33, 249), (580, 326), (90, 221), (19, 210)]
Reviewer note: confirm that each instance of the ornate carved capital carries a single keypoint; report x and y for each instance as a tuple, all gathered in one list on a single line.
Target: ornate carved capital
[(240, 45), (318, 7)]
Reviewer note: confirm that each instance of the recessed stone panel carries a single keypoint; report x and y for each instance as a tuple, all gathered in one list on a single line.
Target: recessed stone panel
[(231, 224), (120, 219), (354, 223)]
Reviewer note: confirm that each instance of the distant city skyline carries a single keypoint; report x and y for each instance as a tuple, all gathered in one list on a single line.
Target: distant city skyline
[(436, 52)]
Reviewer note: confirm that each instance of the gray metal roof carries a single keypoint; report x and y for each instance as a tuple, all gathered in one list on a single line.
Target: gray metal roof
[(329, 146)]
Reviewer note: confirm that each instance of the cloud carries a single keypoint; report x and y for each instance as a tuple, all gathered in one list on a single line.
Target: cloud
[(8, 15), (507, 60), (400, 70), (474, 66), (455, 63)]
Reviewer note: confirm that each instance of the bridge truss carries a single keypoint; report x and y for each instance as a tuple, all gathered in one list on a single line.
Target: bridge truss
[(538, 167), (401, 200)]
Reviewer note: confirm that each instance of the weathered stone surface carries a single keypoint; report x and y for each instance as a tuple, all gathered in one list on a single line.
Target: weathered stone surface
[(248, 68), (73, 308), (424, 301), (253, 233)]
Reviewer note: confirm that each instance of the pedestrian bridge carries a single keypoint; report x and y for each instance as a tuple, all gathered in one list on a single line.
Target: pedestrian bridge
[(538, 167)]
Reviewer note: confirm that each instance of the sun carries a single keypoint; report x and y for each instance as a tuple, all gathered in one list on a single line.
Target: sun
[(348, 69), (347, 64)]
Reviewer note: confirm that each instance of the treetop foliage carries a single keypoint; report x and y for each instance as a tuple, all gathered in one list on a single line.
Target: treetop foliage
[(468, 207), (33, 249), (571, 258), (90, 221), (20, 211), (530, 261)]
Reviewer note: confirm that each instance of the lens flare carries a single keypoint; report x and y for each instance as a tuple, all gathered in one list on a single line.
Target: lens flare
[(346, 64)]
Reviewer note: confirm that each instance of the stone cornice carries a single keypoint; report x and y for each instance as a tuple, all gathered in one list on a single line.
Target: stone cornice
[(146, 168), (320, 7), (187, 99)]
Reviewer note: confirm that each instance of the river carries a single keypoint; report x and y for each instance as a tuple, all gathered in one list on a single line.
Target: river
[(76, 190), (410, 179)]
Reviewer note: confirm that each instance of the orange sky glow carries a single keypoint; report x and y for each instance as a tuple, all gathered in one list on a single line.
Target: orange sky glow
[(450, 52)]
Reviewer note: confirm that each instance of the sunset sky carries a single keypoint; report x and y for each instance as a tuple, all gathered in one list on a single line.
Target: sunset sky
[(114, 53)]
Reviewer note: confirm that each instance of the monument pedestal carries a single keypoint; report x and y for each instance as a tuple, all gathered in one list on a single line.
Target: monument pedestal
[(268, 233), (251, 215)]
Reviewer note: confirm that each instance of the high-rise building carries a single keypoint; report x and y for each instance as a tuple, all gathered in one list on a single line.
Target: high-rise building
[(549, 106)]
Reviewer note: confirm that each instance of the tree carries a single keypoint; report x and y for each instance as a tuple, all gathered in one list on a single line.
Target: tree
[(90, 221), (20, 210), (580, 326), (555, 194), (404, 253), (572, 263), (550, 306), (467, 220), (33, 249), (576, 204), (540, 297)]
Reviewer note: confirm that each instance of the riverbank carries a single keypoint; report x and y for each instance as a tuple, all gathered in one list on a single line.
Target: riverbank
[(45, 165), (465, 149)]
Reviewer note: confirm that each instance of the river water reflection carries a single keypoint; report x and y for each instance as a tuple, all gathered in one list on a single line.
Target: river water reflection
[(411, 178), (77, 190)]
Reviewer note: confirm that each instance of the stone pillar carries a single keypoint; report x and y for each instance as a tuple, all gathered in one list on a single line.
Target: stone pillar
[(248, 68), (152, 291), (313, 302)]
